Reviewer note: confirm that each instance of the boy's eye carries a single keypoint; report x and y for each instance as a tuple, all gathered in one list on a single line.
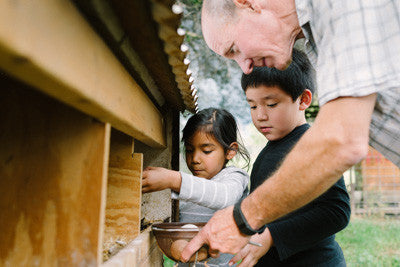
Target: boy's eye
[(207, 152), (272, 105), (253, 107)]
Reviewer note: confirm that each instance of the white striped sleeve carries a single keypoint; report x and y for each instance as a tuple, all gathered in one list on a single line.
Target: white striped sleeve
[(223, 190)]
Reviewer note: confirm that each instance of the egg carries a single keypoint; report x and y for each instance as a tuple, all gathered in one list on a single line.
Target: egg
[(178, 246), (190, 226)]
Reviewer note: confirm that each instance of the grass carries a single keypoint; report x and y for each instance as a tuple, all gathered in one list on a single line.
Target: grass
[(371, 242)]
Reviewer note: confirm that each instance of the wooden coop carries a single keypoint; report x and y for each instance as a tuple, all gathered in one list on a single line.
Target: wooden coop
[(375, 186), (90, 94)]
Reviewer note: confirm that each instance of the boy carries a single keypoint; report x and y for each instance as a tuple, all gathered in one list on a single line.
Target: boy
[(278, 100)]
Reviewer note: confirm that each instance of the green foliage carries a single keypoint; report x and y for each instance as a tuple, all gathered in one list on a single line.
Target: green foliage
[(312, 111), (194, 3), (371, 242), (216, 79)]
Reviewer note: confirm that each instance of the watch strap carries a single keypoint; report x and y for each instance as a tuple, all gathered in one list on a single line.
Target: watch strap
[(241, 222)]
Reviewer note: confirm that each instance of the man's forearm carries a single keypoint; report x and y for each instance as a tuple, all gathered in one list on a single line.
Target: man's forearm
[(337, 140)]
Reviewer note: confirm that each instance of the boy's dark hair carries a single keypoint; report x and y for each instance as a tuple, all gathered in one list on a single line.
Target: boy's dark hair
[(218, 123), (294, 80)]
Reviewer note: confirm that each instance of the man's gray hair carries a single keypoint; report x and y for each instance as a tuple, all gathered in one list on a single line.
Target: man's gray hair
[(224, 9)]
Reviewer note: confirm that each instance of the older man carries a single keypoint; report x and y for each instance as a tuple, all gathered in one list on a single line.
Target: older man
[(355, 49)]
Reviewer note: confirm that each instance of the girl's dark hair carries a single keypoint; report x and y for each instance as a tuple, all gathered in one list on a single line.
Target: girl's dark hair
[(218, 123), (294, 80)]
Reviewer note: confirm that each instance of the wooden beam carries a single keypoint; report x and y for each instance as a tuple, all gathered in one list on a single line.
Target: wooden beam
[(53, 169), (48, 44), (138, 22)]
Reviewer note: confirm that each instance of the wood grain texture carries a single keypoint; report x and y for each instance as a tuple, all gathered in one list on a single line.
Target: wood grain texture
[(122, 216), (49, 45), (138, 22), (142, 252), (52, 169)]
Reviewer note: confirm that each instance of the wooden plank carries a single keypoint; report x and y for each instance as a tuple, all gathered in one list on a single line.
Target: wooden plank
[(103, 19), (138, 22), (48, 44), (122, 217), (53, 175), (142, 252)]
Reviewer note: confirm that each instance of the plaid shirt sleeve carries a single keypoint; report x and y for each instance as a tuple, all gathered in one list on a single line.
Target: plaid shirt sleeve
[(355, 45), (355, 48)]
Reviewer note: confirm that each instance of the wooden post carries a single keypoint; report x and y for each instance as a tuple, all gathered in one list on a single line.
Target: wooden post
[(52, 189)]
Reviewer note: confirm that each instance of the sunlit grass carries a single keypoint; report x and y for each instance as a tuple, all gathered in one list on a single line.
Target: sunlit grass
[(371, 242)]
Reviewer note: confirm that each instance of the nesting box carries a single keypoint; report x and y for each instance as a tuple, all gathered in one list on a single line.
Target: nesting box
[(90, 94)]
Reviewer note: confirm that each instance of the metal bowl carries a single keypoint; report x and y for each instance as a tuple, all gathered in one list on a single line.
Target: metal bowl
[(172, 238)]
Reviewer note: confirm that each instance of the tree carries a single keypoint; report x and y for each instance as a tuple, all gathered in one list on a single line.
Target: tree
[(216, 79)]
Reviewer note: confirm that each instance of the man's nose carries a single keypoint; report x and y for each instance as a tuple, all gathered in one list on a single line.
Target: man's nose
[(246, 65)]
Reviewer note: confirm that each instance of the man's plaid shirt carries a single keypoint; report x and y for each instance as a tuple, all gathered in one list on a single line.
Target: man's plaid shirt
[(355, 48)]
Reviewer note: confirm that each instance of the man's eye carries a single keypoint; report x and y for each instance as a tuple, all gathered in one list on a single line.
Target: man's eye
[(253, 107), (207, 152), (272, 105), (231, 52)]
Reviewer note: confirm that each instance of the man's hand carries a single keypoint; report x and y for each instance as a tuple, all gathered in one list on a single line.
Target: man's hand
[(250, 254), (220, 233)]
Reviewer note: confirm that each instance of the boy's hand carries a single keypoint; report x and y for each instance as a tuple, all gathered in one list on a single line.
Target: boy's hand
[(250, 254), (157, 179)]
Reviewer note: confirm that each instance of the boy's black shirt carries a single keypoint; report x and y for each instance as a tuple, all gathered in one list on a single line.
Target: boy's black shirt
[(304, 237)]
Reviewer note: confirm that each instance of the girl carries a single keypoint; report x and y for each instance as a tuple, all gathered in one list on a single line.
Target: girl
[(210, 140)]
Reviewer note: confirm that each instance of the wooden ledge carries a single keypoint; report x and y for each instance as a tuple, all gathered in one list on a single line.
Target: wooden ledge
[(50, 46)]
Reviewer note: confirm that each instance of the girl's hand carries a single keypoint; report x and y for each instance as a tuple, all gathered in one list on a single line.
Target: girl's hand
[(250, 254), (157, 179)]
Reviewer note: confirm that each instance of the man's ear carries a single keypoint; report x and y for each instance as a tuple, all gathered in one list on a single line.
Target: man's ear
[(252, 4), (305, 99), (233, 148)]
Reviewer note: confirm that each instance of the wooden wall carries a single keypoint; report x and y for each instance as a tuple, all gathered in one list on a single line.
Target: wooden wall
[(70, 187), (75, 132), (379, 173), (53, 180), (380, 183)]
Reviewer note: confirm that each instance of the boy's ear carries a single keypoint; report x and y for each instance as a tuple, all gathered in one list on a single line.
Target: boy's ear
[(233, 148), (252, 4), (305, 99)]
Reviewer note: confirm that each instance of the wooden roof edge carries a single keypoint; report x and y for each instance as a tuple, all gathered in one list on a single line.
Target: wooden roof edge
[(167, 19), (103, 19), (168, 16)]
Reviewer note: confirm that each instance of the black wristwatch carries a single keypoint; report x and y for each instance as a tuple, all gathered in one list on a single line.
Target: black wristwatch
[(242, 223)]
